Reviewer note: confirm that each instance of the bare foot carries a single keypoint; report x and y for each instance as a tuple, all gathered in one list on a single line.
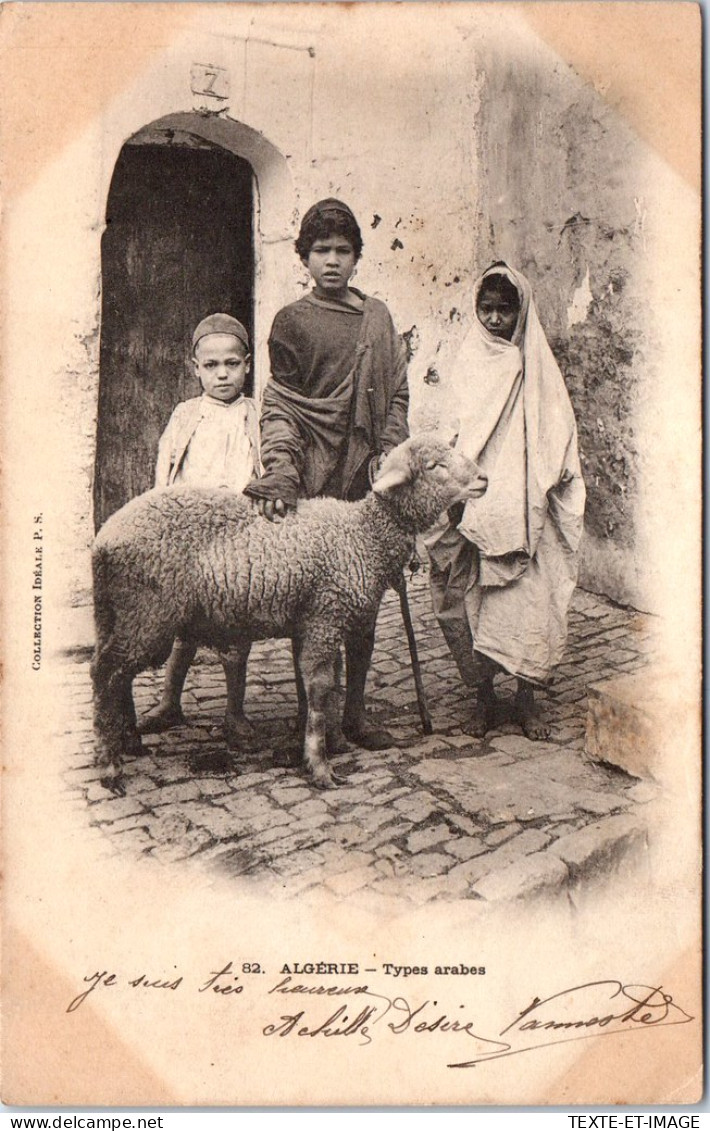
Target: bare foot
[(482, 716), (534, 727), (161, 719), (531, 722)]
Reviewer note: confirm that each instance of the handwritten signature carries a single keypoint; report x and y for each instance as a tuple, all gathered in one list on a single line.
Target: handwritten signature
[(588, 1010), (359, 1012)]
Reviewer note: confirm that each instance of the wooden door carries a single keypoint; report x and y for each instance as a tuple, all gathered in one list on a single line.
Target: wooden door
[(178, 245)]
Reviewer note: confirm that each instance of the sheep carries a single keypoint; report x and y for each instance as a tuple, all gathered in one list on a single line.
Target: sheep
[(203, 564)]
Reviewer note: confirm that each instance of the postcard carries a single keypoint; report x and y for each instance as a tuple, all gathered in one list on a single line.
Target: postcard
[(392, 798)]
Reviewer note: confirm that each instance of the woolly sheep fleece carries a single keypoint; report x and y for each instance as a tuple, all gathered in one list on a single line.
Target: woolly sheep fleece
[(202, 564)]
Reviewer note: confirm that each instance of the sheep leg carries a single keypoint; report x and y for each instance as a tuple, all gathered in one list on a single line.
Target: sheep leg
[(238, 731), (335, 740), (357, 727), (316, 660), (114, 721), (132, 738)]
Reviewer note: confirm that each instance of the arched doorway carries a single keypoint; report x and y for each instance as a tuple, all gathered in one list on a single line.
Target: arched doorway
[(178, 244)]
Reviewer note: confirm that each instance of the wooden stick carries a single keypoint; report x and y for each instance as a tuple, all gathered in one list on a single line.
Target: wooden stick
[(424, 715)]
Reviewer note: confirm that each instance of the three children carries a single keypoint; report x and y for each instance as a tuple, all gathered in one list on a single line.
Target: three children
[(502, 569)]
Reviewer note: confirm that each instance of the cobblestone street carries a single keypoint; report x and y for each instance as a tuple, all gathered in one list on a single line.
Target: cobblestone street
[(440, 817)]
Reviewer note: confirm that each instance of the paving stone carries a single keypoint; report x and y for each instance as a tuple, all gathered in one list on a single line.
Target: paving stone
[(290, 795), (135, 843), (370, 818), (175, 792), (520, 746), (298, 862), (270, 835), (524, 844), (345, 883), (386, 834), (465, 847), (392, 795), (312, 824), (351, 794), (535, 875), (417, 807), (465, 824), (426, 838), (430, 745), (313, 808), (304, 881), (599, 803), (429, 863), (339, 859), (349, 833), (111, 808), (601, 847), (215, 787), (268, 821), (127, 824), (499, 836), (219, 822)]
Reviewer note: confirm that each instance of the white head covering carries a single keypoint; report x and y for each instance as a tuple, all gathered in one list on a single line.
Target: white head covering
[(516, 421)]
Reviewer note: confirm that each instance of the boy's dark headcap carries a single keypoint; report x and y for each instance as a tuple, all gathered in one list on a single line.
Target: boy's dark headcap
[(330, 204), (326, 217), (220, 324)]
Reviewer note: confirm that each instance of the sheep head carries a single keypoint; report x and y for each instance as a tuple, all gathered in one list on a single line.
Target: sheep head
[(423, 477)]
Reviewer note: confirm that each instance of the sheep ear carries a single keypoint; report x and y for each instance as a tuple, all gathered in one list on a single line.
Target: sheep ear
[(392, 477)]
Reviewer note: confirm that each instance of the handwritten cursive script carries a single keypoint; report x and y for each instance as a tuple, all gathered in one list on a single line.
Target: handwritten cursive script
[(357, 1011), (584, 1011)]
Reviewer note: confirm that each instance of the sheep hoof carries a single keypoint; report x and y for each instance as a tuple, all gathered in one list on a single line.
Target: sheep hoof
[(133, 745), (368, 736), (115, 784), (161, 719), (324, 778), (337, 743), (287, 756), (238, 732)]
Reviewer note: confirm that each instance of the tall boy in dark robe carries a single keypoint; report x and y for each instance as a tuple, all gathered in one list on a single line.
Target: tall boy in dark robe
[(335, 405)]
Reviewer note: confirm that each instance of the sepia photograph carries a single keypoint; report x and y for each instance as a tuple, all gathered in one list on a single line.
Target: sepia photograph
[(351, 363)]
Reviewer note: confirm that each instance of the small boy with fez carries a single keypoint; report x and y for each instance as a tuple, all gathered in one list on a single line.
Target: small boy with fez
[(210, 441), (336, 403)]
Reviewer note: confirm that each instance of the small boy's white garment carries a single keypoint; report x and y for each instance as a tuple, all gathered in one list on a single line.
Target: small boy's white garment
[(209, 444)]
